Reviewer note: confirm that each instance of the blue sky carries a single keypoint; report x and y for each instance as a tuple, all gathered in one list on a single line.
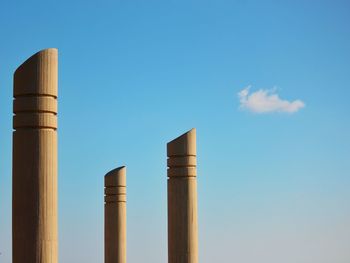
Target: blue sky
[(133, 75)]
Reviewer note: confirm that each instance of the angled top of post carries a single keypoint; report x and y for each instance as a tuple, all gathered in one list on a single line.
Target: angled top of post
[(183, 145), (38, 74), (116, 177)]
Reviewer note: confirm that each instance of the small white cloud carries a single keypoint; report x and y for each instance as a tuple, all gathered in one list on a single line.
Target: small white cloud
[(266, 101)]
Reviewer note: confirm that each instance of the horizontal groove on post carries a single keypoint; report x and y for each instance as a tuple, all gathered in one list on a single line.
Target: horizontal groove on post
[(182, 166), (182, 161), (35, 111), (35, 104), (182, 178), (115, 190), (34, 95), (187, 171), (115, 198), (35, 120), (179, 155), (35, 128)]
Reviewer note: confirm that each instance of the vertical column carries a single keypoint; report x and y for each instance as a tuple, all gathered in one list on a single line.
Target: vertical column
[(34, 186), (182, 199), (115, 216)]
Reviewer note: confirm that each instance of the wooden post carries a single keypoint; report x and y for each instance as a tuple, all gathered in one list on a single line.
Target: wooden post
[(115, 216), (34, 206), (182, 199)]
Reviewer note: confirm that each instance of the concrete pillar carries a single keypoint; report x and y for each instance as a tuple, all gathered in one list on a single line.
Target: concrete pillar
[(115, 216), (34, 204), (182, 199)]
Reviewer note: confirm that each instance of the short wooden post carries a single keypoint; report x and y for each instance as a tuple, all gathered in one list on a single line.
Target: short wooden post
[(115, 216), (34, 183), (182, 199)]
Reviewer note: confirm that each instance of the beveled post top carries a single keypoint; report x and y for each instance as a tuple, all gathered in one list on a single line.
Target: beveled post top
[(37, 75), (182, 156), (184, 145), (116, 177)]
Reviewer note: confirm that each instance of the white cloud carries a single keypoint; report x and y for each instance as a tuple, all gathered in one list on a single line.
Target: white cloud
[(266, 101)]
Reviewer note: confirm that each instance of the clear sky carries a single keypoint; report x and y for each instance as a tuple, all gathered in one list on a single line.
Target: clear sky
[(266, 84)]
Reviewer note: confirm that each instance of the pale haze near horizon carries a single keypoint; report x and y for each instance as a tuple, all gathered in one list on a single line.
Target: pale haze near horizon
[(273, 185)]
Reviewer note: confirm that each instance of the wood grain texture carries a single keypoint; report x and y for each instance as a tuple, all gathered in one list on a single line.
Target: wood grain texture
[(115, 216), (34, 204), (182, 199)]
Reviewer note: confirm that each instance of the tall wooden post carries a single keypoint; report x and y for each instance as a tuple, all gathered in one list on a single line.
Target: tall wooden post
[(115, 216), (34, 206), (182, 199)]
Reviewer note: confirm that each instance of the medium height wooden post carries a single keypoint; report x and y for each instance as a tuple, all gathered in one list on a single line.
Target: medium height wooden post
[(182, 199), (115, 216), (34, 206)]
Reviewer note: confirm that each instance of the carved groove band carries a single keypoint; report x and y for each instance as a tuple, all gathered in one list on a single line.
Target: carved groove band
[(182, 171), (115, 190), (35, 120), (115, 194), (182, 161), (35, 104), (115, 198), (182, 166)]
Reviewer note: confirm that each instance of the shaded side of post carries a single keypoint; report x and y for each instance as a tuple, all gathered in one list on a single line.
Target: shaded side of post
[(182, 199), (34, 185), (115, 216)]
